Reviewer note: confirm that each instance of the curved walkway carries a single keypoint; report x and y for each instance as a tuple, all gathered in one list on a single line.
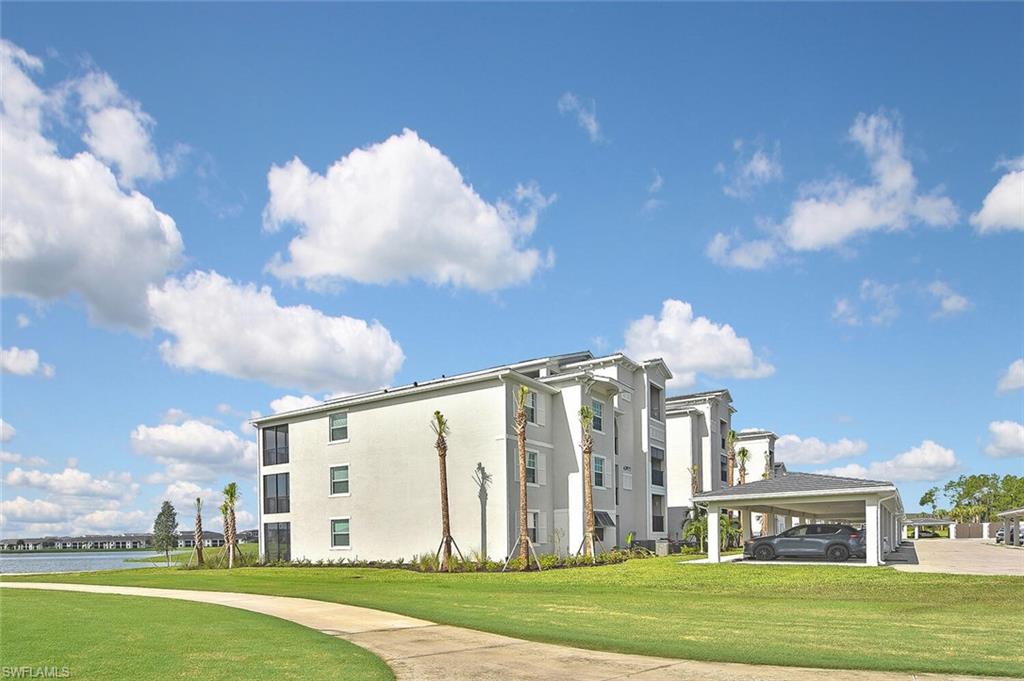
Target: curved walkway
[(424, 651)]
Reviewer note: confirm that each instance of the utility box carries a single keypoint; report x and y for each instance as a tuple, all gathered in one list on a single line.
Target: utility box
[(661, 547)]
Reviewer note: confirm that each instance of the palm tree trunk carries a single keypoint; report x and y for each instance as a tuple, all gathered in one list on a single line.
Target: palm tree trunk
[(524, 533), (229, 532), (198, 535), (446, 533), (588, 498)]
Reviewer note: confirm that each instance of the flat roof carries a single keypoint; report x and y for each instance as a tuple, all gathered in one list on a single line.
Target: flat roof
[(923, 522), (1011, 512)]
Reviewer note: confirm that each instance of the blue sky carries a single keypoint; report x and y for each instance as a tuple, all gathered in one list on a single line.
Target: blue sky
[(817, 206)]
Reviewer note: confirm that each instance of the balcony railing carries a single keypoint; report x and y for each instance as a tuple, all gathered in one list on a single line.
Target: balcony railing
[(657, 523), (657, 477)]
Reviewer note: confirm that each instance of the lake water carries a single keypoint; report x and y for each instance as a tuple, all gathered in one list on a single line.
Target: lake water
[(76, 561)]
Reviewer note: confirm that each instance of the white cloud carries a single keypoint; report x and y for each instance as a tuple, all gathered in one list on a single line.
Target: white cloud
[(950, 302), (73, 482), (7, 431), (396, 211), (929, 461), (753, 167), (292, 402), (23, 321), (692, 345), (729, 251), (241, 331), (877, 305), (22, 510), (827, 214), (66, 219), (175, 415), (584, 112), (793, 450), (1013, 379), (194, 451), (1003, 208), (13, 457), (24, 362), (111, 520), (1007, 439), (653, 203), (183, 495)]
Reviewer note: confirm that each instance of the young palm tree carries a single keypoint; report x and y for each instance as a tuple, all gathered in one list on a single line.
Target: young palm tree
[(198, 535), (520, 427), (230, 500), (742, 457), (439, 424), (693, 480), (730, 449), (586, 423)]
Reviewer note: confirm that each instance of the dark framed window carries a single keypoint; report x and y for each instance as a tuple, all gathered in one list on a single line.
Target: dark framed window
[(531, 466), (725, 469), (275, 493), (339, 479), (277, 542), (598, 407), (655, 400), (275, 445), (339, 427), (598, 462), (340, 536), (531, 525)]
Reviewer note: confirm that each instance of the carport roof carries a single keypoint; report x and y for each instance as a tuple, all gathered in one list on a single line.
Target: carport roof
[(796, 483), (923, 522)]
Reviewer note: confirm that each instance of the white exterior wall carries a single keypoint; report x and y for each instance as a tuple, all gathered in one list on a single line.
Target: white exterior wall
[(394, 487)]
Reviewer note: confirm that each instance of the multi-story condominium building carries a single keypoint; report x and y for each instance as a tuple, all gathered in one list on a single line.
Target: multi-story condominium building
[(760, 445), (358, 476)]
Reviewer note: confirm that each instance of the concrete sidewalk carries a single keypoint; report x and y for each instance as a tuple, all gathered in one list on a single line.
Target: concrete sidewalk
[(423, 651)]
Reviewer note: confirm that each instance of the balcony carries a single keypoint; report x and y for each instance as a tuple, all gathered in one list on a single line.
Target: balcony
[(657, 477), (657, 523)]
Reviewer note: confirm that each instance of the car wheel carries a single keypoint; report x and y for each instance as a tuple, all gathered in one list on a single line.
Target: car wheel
[(764, 552), (838, 553)]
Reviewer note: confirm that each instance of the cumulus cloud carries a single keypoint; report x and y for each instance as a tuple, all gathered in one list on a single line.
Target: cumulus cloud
[(950, 302), (927, 462), (692, 345), (73, 482), (877, 305), (14, 457), (23, 321), (66, 219), (292, 402), (585, 114), (829, 213), (24, 362), (1007, 439), (1013, 379), (731, 251), (240, 330), (753, 167), (794, 449), (7, 431), (194, 451), (183, 494), (1003, 207), (396, 211), (22, 510)]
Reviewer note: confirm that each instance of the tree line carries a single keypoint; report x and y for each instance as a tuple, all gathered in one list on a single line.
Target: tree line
[(975, 498)]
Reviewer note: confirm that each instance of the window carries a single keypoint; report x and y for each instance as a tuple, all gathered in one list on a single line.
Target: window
[(796, 532), (339, 427), (275, 493), (598, 471), (725, 469), (599, 534), (340, 537), (598, 407), (531, 466), (277, 542), (531, 407), (339, 479), (723, 430), (531, 525), (275, 445), (655, 402)]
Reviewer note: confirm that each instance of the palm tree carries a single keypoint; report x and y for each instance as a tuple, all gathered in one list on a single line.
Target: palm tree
[(693, 480), (228, 508), (439, 424), (730, 448), (742, 456), (520, 427), (198, 535), (586, 423)]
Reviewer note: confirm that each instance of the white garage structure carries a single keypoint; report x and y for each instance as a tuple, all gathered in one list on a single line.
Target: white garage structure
[(805, 498), (1011, 521)]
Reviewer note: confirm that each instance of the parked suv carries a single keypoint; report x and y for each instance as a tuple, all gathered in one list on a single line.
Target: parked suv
[(834, 542)]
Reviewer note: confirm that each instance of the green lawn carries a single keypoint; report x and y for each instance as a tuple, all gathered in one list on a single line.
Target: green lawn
[(126, 637), (814, 616), (211, 555)]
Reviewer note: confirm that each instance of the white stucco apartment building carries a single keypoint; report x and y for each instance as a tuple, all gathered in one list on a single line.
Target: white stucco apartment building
[(358, 476)]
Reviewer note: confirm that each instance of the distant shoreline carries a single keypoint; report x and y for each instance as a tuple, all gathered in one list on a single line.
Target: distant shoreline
[(37, 552)]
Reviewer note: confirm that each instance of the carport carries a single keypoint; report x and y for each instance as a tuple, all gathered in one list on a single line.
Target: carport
[(1011, 521), (811, 498), (918, 523)]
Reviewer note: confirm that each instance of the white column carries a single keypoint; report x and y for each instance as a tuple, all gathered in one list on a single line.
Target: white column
[(1006, 532), (917, 532), (952, 531), (747, 518), (984, 530), (714, 541), (871, 529)]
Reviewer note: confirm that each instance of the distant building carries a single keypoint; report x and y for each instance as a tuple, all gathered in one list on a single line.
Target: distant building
[(101, 542)]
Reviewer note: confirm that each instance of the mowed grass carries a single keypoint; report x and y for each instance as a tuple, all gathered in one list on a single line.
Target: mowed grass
[(212, 556), (809, 616), (127, 637)]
